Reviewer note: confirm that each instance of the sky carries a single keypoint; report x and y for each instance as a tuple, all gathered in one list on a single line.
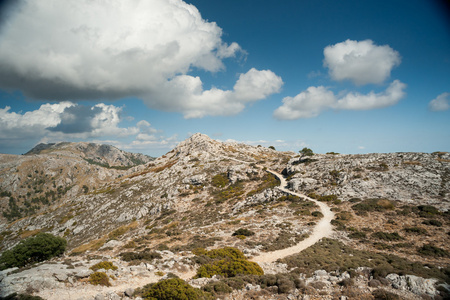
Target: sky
[(345, 76)]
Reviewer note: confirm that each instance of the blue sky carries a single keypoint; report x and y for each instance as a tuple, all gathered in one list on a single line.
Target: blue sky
[(342, 76)]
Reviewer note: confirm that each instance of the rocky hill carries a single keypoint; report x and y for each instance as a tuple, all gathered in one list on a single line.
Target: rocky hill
[(208, 194)]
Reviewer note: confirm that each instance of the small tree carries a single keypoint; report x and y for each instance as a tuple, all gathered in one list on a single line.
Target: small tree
[(35, 249), (305, 152)]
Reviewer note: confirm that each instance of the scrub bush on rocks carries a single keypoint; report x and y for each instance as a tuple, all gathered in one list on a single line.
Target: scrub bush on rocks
[(99, 278), (173, 289), (227, 262), (39, 248), (106, 265)]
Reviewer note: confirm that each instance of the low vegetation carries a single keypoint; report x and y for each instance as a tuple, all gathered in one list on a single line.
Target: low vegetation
[(172, 289), (105, 265), (372, 205), (39, 248), (226, 262), (99, 278)]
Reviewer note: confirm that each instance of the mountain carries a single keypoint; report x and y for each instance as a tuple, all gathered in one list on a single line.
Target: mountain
[(209, 194)]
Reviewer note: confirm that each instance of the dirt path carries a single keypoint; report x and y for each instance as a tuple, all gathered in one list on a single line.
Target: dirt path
[(321, 230)]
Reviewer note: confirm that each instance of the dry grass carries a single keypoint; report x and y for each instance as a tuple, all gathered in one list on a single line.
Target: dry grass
[(91, 246), (29, 233)]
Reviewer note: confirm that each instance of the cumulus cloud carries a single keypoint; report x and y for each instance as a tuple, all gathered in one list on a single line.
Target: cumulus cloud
[(361, 62), (71, 50), (195, 102), (307, 104), (357, 101), (314, 100), (65, 120), (440, 103)]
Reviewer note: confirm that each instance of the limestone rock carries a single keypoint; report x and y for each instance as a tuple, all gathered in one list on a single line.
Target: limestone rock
[(415, 284)]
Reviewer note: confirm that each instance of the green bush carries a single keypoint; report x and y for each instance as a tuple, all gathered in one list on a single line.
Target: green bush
[(227, 262), (415, 229), (244, 232), (217, 287), (357, 235), (430, 250), (39, 248), (432, 222), (371, 205), (106, 265), (145, 255), (99, 278), (284, 282), (426, 211), (174, 289), (317, 214), (387, 236), (220, 180), (229, 268)]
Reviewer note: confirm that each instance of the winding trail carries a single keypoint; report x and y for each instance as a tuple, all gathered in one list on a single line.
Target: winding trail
[(322, 229)]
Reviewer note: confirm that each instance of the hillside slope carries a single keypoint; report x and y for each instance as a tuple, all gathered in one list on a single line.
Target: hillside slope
[(388, 208)]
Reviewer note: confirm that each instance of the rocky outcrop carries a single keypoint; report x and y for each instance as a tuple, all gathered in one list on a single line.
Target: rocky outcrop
[(414, 284), (408, 177)]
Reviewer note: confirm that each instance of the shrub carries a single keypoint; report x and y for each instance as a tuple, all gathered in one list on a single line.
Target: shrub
[(229, 268), (371, 205), (432, 222), (328, 198), (145, 255), (357, 235), (219, 180), (426, 211), (415, 229), (430, 250), (173, 289), (283, 282), (39, 248), (317, 214), (387, 236), (99, 278), (244, 232), (106, 265), (227, 262), (217, 287)]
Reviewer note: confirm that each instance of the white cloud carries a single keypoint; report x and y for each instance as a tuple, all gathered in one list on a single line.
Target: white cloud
[(314, 100), (361, 62), (440, 103), (357, 101), (307, 104), (188, 94), (70, 50)]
